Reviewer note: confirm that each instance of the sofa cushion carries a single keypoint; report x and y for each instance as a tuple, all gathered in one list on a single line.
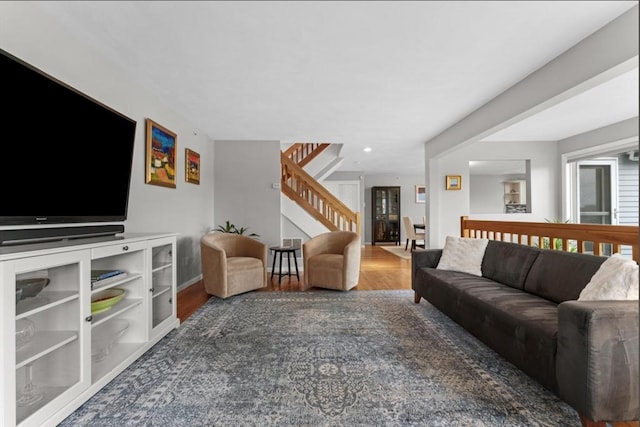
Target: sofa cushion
[(521, 327), (463, 254), (561, 276), (508, 263), (616, 279)]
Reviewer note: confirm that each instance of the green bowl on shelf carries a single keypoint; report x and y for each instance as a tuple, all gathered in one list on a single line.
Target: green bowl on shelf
[(104, 300)]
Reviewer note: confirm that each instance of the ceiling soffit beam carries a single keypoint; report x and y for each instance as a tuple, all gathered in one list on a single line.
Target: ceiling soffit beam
[(605, 54), (617, 136)]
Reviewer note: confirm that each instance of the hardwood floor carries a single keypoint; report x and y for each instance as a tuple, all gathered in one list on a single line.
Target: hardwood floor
[(379, 270)]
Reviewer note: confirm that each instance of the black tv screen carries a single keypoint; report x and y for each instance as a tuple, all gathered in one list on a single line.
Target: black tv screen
[(66, 157)]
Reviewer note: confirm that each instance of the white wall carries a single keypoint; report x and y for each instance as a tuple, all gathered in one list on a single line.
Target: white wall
[(32, 36), (244, 174), (449, 206), (486, 194)]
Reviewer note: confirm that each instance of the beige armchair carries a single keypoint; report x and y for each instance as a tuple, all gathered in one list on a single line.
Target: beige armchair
[(232, 264), (332, 260)]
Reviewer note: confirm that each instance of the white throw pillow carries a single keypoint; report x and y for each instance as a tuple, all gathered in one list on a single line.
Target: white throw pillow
[(463, 254), (616, 279)]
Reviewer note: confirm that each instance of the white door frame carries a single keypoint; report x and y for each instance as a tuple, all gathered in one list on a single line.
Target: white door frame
[(613, 187), (568, 166)]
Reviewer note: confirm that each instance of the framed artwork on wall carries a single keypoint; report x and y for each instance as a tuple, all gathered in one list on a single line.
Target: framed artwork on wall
[(160, 157), (421, 194), (192, 166), (454, 182)]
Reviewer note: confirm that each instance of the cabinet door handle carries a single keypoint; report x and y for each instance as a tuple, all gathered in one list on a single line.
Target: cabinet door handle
[(125, 248), (88, 318), (151, 290)]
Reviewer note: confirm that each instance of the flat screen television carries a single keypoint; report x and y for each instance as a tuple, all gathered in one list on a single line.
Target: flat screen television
[(66, 157)]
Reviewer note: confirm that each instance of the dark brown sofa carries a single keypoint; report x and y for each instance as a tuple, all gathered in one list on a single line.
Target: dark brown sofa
[(525, 308)]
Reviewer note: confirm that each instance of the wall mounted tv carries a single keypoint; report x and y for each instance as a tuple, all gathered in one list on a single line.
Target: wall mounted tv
[(66, 157)]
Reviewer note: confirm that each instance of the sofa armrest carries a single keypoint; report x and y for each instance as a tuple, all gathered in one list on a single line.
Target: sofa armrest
[(428, 258), (597, 359), (425, 258)]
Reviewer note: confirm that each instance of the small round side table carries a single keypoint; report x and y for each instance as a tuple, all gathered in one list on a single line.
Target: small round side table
[(277, 252)]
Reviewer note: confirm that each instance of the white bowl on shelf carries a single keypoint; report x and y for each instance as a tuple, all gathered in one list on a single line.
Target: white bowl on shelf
[(31, 287), (103, 338)]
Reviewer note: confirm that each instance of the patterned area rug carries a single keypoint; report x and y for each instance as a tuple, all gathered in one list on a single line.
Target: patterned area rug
[(398, 251), (322, 358)]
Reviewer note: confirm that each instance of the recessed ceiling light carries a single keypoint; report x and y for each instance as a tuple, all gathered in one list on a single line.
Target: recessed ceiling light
[(367, 149)]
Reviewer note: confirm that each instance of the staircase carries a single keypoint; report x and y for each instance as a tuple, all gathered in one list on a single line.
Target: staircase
[(305, 191)]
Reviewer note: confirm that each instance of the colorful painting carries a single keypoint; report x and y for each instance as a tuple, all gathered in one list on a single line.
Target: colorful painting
[(161, 155), (192, 166)]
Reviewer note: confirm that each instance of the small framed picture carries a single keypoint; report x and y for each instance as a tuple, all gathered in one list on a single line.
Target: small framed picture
[(454, 182), (161, 155), (192, 166), (421, 194)]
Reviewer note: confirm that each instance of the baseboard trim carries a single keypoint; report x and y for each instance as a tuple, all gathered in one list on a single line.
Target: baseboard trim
[(188, 283)]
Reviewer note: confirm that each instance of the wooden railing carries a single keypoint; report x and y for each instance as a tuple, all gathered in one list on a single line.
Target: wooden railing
[(303, 189), (582, 238), (302, 153)]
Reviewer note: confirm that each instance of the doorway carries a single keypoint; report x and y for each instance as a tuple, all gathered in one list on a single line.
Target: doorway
[(597, 201)]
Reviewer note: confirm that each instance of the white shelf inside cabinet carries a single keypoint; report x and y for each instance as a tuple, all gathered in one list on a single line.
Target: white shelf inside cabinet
[(161, 267), (159, 290), (120, 279), (43, 343), (117, 309), (44, 301)]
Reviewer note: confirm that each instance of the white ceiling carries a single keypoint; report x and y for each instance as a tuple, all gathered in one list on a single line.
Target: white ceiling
[(384, 74)]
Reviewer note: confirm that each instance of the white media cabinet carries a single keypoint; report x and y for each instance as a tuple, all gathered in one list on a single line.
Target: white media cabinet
[(60, 354)]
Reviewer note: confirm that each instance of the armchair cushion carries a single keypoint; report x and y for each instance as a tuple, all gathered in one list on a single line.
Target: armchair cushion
[(325, 270)]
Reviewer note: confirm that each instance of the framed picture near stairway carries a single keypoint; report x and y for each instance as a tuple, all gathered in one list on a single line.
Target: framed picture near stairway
[(160, 155), (192, 166)]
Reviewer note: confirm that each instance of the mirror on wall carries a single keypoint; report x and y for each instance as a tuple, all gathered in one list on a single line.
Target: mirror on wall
[(499, 186)]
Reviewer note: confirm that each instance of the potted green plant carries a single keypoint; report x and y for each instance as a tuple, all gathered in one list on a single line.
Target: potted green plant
[(557, 243), (228, 227)]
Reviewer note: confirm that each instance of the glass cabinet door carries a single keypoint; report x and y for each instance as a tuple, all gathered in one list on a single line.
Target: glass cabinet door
[(51, 333), (162, 283), (386, 214)]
